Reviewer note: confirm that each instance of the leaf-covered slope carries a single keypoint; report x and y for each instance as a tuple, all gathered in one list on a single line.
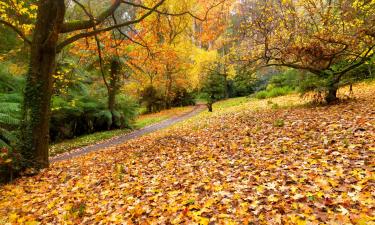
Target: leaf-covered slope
[(270, 166)]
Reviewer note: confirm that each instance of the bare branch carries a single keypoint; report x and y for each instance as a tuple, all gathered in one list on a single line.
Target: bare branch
[(176, 14), (128, 37)]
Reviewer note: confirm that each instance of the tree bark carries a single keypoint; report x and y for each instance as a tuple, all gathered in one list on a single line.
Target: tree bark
[(168, 97), (331, 96), (113, 89), (38, 90), (226, 91)]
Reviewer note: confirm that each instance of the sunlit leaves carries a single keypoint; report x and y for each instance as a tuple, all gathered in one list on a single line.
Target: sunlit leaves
[(20, 14)]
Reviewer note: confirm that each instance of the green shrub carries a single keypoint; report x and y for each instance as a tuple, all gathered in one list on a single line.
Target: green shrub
[(279, 91), (274, 92), (261, 95)]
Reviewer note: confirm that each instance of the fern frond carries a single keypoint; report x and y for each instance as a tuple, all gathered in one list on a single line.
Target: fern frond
[(8, 120), (10, 108)]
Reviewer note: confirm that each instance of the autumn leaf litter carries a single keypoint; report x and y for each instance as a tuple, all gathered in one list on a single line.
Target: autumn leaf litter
[(314, 166)]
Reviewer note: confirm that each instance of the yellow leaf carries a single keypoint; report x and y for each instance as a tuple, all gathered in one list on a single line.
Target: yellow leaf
[(203, 221), (13, 217)]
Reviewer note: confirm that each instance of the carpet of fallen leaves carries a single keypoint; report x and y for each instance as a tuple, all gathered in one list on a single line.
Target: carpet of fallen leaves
[(299, 165)]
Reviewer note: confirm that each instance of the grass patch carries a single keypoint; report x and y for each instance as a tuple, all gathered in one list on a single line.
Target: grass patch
[(274, 92), (83, 141), (144, 122), (230, 103)]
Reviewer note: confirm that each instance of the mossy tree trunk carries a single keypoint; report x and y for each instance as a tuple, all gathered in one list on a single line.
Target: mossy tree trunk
[(38, 91)]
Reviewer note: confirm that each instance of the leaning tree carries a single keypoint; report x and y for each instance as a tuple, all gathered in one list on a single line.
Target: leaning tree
[(51, 33), (325, 38)]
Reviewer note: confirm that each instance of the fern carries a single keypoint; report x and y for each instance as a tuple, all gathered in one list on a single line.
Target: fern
[(13, 108), (8, 136), (3, 144), (8, 120)]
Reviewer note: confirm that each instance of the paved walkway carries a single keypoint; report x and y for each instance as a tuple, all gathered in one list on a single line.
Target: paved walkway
[(123, 138)]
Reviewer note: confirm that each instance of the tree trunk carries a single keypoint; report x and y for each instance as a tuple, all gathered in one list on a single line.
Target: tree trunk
[(226, 91), (168, 100), (210, 102), (112, 90), (38, 90), (209, 106), (331, 96)]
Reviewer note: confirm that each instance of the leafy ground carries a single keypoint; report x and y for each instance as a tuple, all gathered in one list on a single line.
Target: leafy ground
[(259, 162), (141, 121)]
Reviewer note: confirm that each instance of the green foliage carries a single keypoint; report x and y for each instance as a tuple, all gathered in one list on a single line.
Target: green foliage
[(182, 98), (153, 99), (362, 73), (128, 109), (243, 84), (156, 100), (274, 92), (75, 115), (10, 108), (289, 78), (311, 82), (213, 87), (10, 115), (8, 39)]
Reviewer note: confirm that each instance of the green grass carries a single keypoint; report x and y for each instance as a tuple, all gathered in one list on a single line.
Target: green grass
[(144, 122), (83, 141), (229, 103), (274, 92)]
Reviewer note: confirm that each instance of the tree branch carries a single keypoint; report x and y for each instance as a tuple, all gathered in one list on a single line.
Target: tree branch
[(176, 14), (95, 32), (363, 60), (128, 37), (15, 29), (87, 24)]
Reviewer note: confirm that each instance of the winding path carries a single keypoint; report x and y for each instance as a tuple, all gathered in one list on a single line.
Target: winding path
[(125, 137)]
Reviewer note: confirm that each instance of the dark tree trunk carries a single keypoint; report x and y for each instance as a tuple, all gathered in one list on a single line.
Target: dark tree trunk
[(226, 91), (38, 91), (113, 89), (168, 100), (209, 106), (210, 102), (331, 96)]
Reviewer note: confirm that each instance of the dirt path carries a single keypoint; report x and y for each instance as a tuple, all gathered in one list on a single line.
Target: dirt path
[(123, 138)]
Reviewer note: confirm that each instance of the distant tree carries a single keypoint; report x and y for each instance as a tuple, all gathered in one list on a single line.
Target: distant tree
[(325, 38), (213, 87)]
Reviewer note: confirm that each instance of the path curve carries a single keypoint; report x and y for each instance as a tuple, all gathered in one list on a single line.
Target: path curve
[(125, 137)]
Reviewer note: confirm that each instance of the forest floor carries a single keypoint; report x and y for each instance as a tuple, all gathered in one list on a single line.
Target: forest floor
[(273, 161)]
